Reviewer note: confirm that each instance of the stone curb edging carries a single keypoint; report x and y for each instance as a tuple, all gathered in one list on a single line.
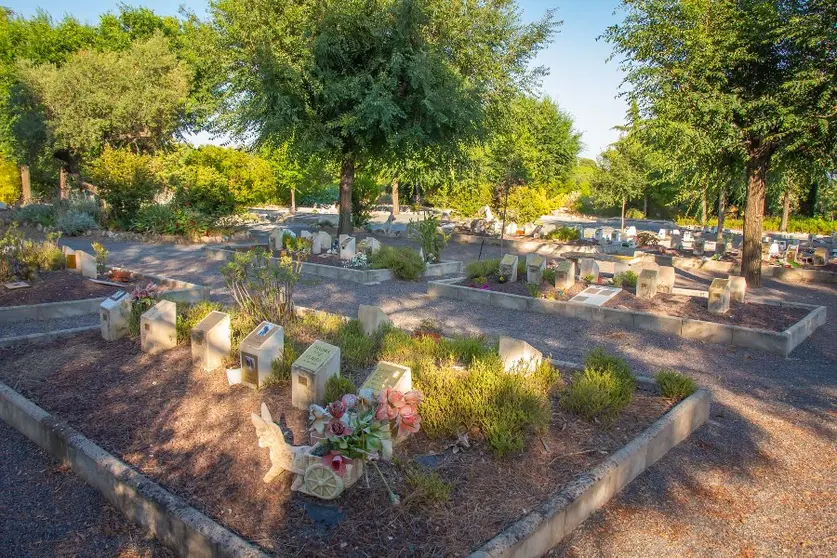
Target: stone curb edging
[(46, 337), (799, 275), (545, 527), (780, 342), (50, 310), (166, 516)]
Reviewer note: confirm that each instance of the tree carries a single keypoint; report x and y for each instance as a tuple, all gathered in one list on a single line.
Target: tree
[(361, 78), (622, 174), (760, 73)]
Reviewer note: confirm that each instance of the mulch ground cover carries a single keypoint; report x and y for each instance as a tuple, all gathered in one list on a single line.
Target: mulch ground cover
[(54, 286), (192, 433)]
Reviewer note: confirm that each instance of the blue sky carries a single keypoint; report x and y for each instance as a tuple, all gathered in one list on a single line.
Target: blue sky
[(580, 79)]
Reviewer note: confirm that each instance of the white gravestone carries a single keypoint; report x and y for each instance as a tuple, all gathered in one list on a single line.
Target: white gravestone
[(737, 288), (274, 239), (114, 313), (519, 355), (508, 267), (325, 241), (347, 247), (369, 245), (662, 234), (69, 258), (589, 268), (698, 246), (211, 341), (311, 371), (565, 274), (630, 232), (158, 330), (646, 285), (620, 267), (316, 246), (599, 234), (259, 349), (719, 296), (676, 241), (371, 319), (388, 375), (86, 264), (665, 279), (535, 267), (511, 229)]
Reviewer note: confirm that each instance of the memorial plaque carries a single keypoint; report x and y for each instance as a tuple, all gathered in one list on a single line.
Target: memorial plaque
[(508, 267), (114, 312), (211, 342), (389, 375), (259, 349), (157, 328), (14, 285), (311, 371)]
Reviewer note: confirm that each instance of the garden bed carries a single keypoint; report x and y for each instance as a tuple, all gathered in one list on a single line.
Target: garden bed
[(192, 433), (54, 286)]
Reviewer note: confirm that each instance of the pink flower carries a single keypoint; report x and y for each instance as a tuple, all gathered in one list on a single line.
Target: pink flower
[(349, 400), (336, 462), (338, 428), (395, 398), (385, 412), (413, 398), (409, 421), (336, 409)]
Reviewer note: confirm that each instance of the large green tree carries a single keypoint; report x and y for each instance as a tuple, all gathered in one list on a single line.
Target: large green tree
[(363, 78), (762, 73)]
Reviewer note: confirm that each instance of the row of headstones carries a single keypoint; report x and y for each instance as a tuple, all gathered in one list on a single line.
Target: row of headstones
[(321, 241), (211, 345)]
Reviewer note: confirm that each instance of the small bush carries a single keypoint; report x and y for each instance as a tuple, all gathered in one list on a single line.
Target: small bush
[(674, 385), (634, 213), (281, 367), (521, 269), (357, 350), (189, 315), (429, 236), (338, 386), (534, 290), (365, 193), (404, 262), (564, 234), (154, 218), (604, 388), (74, 222), (36, 214), (241, 324), (482, 268), (125, 180), (464, 349), (425, 488), (625, 280), (549, 276), (599, 359), (101, 254), (645, 238)]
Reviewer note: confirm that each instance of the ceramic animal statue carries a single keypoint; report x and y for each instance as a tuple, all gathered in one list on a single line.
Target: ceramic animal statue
[(283, 456)]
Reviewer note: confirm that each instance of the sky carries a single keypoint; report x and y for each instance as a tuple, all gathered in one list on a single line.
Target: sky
[(580, 79)]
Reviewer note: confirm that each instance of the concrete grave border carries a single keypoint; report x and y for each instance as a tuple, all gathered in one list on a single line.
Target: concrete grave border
[(780, 342), (362, 276), (166, 516), (788, 275), (543, 528)]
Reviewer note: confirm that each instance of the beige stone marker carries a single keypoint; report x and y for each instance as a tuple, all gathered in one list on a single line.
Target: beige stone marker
[(565, 274), (719, 296), (646, 285), (371, 319), (665, 279), (589, 267), (737, 288), (310, 373), (211, 341), (114, 313), (508, 267), (259, 349), (535, 266), (157, 328), (388, 375), (516, 353), (86, 264)]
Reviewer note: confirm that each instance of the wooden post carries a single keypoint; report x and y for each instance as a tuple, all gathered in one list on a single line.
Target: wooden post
[(25, 184), (62, 184), (396, 209)]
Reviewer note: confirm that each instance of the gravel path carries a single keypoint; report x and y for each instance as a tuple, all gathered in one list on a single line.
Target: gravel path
[(47, 510), (13, 329), (759, 480)]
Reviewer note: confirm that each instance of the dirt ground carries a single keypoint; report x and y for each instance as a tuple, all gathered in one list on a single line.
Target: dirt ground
[(192, 432), (54, 286)]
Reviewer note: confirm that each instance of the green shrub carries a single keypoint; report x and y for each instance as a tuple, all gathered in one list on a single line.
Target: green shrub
[(634, 213), (9, 181), (674, 385), (80, 203), (626, 279), (125, 180), (241, 324), (549, 276), (337, 386), (534, 290), (599, 359), (527, 203), (357, 350), (365, 193), (101, 254), (482, 268), (281, 367), (464, 349), (425, 488), (324, 195), (154, 218), (36, 214), (564, 234), (521, 269), (74, 222), (405, 262), (429, 236), (189, 315), (205, 191), (604, 388), (796, 224)]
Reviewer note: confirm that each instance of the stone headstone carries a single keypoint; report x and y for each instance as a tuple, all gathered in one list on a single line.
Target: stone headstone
[(646, 285), (70, 258), (311, 371), (665, 279), (347, 247), (388, 375), (511, 229), (737, 288), (211, 341), (535, 266), (676, 241), (306, 235), (721, 247), (662, 234), (820, 256), (589, 268), (274, 239), (698, 246), (687, 236), (792, 253), (316, 245), (508, 267), (565, 274), (630, 232), (599, 234), (371, 318), (257, 352), (114, 313), (369, 245), (519, 355), (15, 285), (158, 330), (325, 241), (620, 267), (86, 264), (719, 296), (773, 250)]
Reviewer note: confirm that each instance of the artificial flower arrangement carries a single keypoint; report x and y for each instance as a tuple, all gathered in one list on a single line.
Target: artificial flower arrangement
[(358, 261), (363, 427)]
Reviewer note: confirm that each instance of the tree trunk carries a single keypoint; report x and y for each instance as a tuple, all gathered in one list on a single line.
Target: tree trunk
[(25, 184), (293, 200), (783, 226), (645, 206), (722, 208), (753, 215), (703, 209), (347, 180), (624, 205), (396, 209), (63, 192)]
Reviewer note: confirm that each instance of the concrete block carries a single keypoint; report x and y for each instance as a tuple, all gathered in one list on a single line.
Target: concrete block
[(565, 274), (372, 319), (646, 286), (655, 322), (719, 295), (508, 267), (706, 331), (516, 353), (157, 328), (763, 340), (737, 288), (665, 279), (589, 268)]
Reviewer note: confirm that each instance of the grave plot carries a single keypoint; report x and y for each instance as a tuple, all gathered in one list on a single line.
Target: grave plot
[(213, 444)]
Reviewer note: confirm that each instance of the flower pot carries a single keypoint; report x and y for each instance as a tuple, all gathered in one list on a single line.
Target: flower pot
[(120, 275)]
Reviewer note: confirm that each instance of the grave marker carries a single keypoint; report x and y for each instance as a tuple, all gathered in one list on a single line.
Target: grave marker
[(665, 279), (518, 354), (737, 288), (325, 241), (820, 257), (158, 330), (15, 285), (676, 241), (698, 246), (388, 375), (589, 268), (369, 245), (371, 319), (508, 267), (274, 239), (69, 257), (719, 296), (646, 286), (114, 313), (535, 267), (347, 247), (565, 274), (259, 349), (211, 341), (311, 371)]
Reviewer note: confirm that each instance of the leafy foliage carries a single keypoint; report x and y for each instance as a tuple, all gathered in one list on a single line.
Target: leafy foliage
[(482, 268), (337, 386), (565, 234), (674, 385), (262, 286), (604, 388), (126, 181), (405, 262), (429, 236), (626, 279), (74, 222)]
